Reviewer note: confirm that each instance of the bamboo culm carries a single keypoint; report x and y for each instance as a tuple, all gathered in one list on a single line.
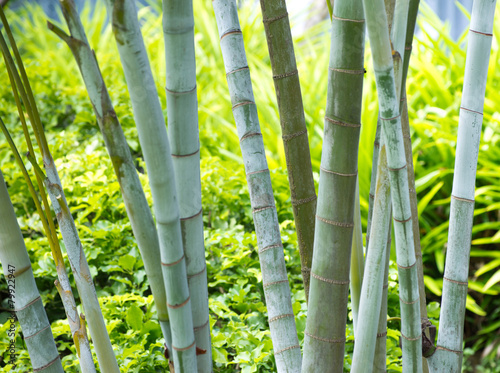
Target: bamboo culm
[(324, 339), (25, 299), (135, 201), (274, 277), (393, 139), (156, 149), (293, 128), (182, 114), (448, 355)]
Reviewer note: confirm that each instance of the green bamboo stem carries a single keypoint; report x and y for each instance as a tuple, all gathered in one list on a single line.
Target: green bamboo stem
[(448, 355), (76, 322), (324, 340), (135, 201), (392, 134), (373, 181), (373, 279), (293, 128), (274, 277), (155, 146), (25, 299), (357, 260), (182, 113), (380, 358), (76, 256)]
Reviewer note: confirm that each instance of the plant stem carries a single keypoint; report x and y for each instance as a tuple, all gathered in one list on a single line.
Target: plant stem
[(448, 355), (293, 127), (274, 276), (357, 260)]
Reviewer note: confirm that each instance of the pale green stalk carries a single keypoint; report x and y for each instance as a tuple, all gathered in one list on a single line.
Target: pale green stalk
[(274, 277), (373, 279), (324, 339), (155, 147), (448, 355), (135, 201), (393, 139), (76, 321), (357, 260), (182, 107), (76, 256), (293, 128), (25, 300)]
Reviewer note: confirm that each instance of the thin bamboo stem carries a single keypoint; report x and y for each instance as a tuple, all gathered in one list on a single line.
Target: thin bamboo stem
[(293, 127), (357, 260), (274, 276)]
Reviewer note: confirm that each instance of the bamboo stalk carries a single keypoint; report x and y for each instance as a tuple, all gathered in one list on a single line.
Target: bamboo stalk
[(76, 321), (391, 131), (274, 277), (448, 355), (357, 260), (373, 279), (135, 201), (25, 299), (76, 256), (156, 149), (182, 113), (293, 128), (325, 335)]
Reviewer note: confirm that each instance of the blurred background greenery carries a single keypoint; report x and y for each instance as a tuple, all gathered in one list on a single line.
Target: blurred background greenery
[(240, 336)]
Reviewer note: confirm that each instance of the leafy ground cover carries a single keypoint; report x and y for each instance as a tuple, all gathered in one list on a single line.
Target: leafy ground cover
[(240, 336)]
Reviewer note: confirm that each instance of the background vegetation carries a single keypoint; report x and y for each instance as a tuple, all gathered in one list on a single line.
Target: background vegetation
[(240, 333)]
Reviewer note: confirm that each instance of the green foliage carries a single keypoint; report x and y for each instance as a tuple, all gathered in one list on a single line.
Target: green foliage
[(240, 337)]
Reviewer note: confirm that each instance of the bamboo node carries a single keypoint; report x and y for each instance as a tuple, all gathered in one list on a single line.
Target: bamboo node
[(243, 104), (38, 332), (413, 302), (240, 69), (396, 117), (335, 223), (192, 216), (286, 349), (251, 134), (269, 247), (456, 282), (185, 155), (180, 93), (448, 349), (403, 267), (411, 339), (337, 173), (396, 169), (298, 202), (371, 195), (258, 172), (386, 286), (179, 305), (47, 365), (341, 123), (347, 19), (28, 304), (196, 328), (346, 71), (274, 283), (472, 111), (229, 32), (306, 269), (380, 335), (286, 75), (480, 33), (462, 199), (262, 209), (281, 317), (329, 281), (272, 19), (337, 340), (293, 135), (184, 348), (174, 263), (189, 277), (402, 221)]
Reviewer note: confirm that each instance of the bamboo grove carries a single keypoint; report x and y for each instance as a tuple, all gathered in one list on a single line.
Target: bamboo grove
[(335, 266)]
